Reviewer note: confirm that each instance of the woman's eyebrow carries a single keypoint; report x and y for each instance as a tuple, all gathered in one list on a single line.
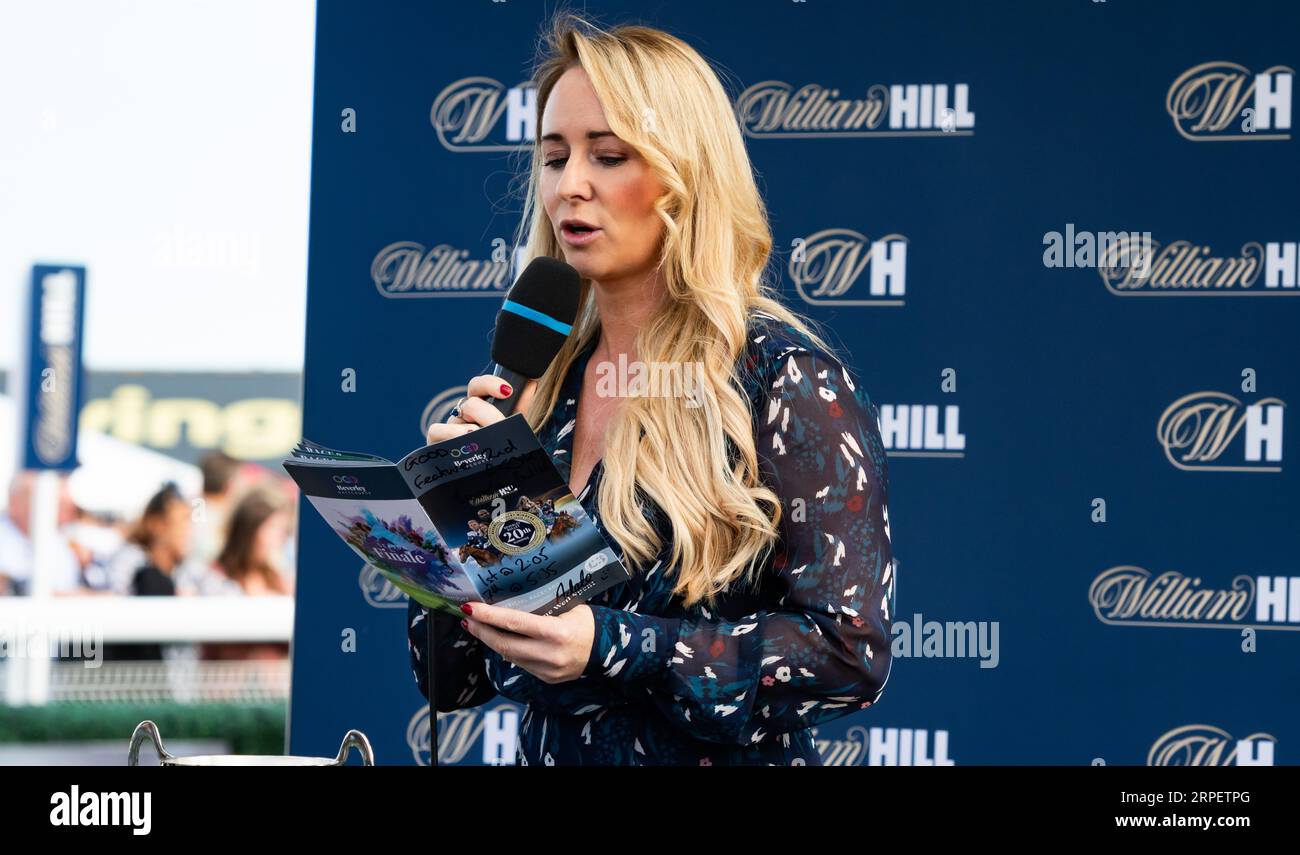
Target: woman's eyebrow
[(591, 135)]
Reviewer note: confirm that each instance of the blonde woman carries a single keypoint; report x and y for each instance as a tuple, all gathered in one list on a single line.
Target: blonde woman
[(752, 513)]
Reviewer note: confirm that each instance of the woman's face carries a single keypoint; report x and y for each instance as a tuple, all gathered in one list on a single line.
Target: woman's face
[(171, 530), (602, 181)]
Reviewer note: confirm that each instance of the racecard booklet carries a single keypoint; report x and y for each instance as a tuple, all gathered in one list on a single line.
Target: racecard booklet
[(484, 517)]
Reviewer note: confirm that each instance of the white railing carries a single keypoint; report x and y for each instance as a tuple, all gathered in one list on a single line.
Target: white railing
[(33, 629), (188, 682)]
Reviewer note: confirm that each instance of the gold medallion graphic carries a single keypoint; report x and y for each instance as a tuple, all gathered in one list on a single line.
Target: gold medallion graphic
[(516, 532)]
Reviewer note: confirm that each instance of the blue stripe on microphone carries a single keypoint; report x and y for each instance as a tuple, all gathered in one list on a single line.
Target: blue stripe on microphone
[(534, 315)]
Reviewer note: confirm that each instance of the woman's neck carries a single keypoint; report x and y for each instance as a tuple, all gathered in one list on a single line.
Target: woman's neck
[(162, 558), (624, 306)]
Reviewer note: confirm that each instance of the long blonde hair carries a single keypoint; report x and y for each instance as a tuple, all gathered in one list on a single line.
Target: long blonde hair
[(713, 259)]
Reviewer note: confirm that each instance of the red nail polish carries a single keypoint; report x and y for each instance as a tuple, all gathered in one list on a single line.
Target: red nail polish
[(465, 607), (505, 389), (464, 624)]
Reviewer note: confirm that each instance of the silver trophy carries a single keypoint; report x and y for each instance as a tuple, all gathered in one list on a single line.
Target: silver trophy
[(148, 730)]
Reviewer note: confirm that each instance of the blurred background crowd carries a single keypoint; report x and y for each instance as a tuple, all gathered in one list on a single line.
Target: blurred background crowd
[(192, 234), (235, 538)]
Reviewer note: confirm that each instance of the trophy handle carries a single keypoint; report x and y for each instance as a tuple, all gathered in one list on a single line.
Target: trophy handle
[(356, 739), (145, 729)]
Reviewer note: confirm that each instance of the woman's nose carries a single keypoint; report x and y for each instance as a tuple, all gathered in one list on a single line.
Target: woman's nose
[(574, 180)]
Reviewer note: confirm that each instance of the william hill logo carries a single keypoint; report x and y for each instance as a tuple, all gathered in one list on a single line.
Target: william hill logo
[(1203, 745), (410, 269), (922, 430), (1215, 432), (1142, 267), (482, 114), (775, 109), (885, 746), (1226, 101), (1127, 595), (494, 732), (841, 267)]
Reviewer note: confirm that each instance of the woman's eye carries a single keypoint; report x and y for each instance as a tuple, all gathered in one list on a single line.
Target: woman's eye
[(608, 160)]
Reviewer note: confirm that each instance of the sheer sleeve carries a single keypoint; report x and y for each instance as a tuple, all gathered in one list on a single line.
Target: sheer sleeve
[(469, 672), (823, 652)]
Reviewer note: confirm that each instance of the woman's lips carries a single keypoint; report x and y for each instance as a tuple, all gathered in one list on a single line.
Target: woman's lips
[(573, 238)]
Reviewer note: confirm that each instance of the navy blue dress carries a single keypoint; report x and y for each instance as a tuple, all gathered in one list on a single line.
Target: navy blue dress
[(742, 683)]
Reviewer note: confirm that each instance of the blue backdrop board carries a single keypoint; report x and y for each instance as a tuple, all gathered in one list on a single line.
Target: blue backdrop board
[(1059, 242), (50, 382)]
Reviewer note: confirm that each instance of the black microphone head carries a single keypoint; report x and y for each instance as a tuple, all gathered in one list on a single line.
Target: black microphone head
[(536, 317)]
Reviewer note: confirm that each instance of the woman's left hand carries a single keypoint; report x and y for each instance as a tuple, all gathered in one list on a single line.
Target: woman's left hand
[(552, 649)]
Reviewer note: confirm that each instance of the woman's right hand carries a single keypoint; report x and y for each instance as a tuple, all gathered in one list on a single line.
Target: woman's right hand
[(475, 412)]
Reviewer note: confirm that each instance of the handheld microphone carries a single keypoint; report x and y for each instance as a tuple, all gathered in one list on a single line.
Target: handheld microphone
[(533, 324)]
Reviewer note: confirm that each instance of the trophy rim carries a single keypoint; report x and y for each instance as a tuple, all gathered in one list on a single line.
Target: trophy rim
[(249, 760)]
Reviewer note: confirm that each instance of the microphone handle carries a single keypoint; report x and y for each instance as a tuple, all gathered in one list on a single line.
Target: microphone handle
[(517, 382)]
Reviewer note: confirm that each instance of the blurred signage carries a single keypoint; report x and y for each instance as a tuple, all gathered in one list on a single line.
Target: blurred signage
[(253, 416), (51, 394)]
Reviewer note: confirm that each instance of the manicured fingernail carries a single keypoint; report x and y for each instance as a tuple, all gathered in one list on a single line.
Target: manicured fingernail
[(505, 389), (467, 609), (464, 624)]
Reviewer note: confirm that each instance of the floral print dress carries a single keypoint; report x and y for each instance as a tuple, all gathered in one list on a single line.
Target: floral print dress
[(740, 683)]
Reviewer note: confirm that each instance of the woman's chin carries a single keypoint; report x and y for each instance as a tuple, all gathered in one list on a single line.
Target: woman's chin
[(581, 261)]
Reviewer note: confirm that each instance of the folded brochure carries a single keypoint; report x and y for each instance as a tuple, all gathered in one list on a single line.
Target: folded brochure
[(483, 517)]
